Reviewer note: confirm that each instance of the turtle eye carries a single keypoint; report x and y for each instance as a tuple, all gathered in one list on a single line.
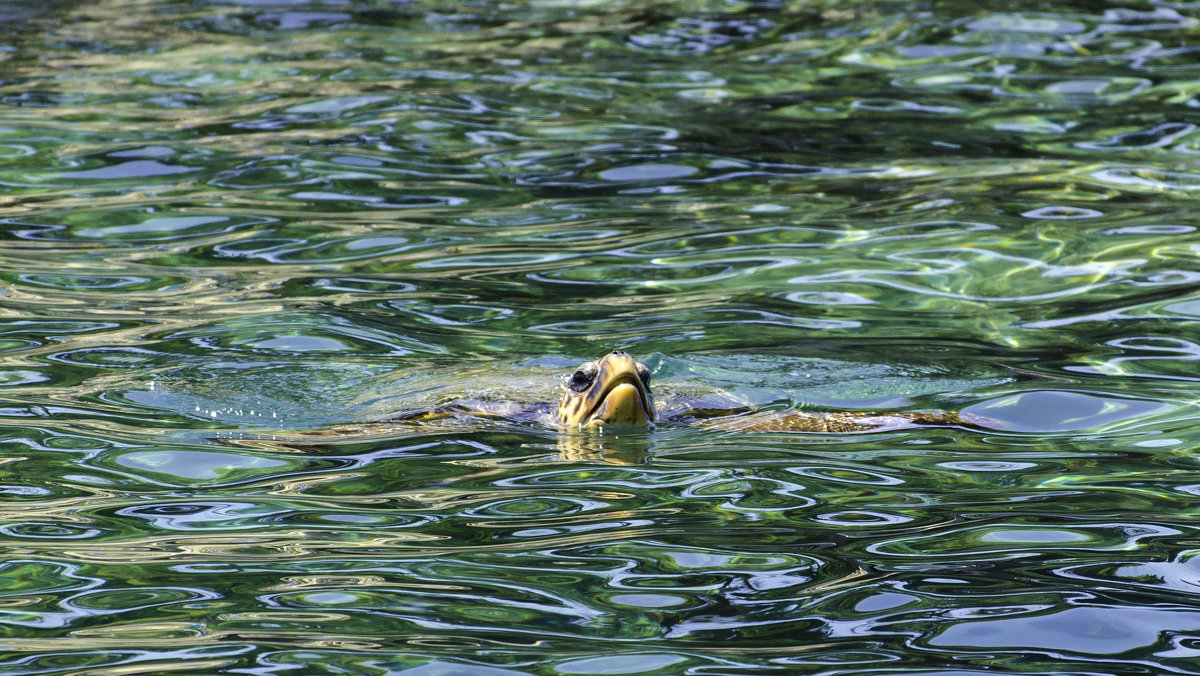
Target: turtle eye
[(582, 378), (643, 374)]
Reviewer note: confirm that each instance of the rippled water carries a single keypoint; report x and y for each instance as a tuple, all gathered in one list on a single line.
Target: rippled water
[(225, 222)]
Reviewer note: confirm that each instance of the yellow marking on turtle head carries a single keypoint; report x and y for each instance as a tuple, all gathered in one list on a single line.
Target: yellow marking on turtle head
[(614, 390)]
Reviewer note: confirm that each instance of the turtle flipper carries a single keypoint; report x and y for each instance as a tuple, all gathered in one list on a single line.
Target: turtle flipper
[(816, 421)]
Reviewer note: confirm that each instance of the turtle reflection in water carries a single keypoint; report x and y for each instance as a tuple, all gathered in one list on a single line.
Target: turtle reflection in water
[(615, 390)]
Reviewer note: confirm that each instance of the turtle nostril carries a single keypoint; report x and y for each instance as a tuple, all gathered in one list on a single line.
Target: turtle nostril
[(619, 353)]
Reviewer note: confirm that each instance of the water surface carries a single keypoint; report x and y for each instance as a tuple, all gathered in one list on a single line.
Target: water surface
[(230, 221)]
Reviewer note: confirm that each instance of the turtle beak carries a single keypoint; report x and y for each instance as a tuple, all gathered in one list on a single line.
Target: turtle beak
[(623, 405), (623, 398)]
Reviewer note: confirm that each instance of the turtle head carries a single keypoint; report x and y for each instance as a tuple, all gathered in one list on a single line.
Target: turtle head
[(614, 390)]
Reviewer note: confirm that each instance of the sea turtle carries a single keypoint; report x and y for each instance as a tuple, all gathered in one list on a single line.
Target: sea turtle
[(603, 404), (615, 391)]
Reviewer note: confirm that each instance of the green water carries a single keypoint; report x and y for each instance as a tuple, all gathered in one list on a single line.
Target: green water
[(228, 220)]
